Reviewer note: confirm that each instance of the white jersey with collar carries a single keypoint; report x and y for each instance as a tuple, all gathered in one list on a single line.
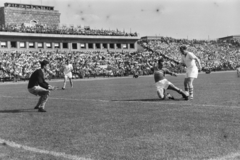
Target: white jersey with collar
[(189, 60)]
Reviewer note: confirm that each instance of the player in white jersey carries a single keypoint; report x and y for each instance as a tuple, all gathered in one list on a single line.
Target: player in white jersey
[(67, 71), (189, 60), (238, 71)]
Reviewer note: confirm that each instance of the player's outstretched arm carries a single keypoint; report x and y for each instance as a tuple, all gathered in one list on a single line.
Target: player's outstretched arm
[(161, 54), (174, 74), (170, 73)]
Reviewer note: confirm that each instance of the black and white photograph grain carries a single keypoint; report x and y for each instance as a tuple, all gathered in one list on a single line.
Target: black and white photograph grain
[(120, 80)]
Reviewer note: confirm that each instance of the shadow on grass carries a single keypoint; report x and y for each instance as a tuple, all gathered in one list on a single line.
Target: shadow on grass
[(148, 100), (17, 110)]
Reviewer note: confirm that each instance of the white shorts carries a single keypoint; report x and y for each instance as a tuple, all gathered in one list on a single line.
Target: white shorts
[(162, 85), (192, 72), (68, 75)]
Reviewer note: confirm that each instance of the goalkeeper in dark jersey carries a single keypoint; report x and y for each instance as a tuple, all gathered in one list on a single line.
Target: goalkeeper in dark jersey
[(162, 84)]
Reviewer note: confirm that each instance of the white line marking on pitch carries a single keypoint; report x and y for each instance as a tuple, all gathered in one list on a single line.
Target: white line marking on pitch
[(56, 154), (227, 157), (186, 103), (73, 157)]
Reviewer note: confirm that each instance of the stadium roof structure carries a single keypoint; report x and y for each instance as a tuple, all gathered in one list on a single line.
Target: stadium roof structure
[(230, 37), (37, 41), (151, 37), (66, 36)]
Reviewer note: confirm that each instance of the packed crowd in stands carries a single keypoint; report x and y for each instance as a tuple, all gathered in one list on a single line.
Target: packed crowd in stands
[(214, 55), (85, 64), (64, 29)]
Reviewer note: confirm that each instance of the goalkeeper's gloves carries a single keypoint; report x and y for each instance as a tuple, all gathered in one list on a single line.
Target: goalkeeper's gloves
[(51, 87)]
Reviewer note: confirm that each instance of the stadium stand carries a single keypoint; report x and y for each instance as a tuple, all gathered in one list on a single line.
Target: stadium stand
[(68, 30), (215, 56), (95, 52)]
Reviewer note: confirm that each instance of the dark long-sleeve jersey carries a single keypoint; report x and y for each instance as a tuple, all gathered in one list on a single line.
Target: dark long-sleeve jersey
[(159, 74), (37, 78)]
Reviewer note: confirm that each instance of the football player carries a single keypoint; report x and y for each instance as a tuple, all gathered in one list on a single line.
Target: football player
[(238, 71), (162, 84), (39, 87), (67, 71), (189, 60)]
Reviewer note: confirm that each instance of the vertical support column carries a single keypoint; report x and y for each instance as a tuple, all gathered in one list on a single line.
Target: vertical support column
[(60, 45), (8, 45), (78, 46), (35, 45), (18, 44), (27, 47), (70, 46)]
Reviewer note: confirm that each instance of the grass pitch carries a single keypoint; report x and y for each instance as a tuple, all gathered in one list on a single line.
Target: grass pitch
[(122, 119)]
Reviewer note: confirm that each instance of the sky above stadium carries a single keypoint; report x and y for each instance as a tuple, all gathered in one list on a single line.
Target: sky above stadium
[(192, 19)]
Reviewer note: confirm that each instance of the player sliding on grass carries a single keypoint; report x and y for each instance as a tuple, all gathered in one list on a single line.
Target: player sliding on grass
[(162, 84)]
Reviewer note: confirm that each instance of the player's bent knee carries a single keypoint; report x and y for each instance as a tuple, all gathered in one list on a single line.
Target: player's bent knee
[(46, 92), (160, 95)]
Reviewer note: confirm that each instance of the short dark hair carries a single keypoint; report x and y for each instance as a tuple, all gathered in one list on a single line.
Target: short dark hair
[(182, 48), (43, 63)]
